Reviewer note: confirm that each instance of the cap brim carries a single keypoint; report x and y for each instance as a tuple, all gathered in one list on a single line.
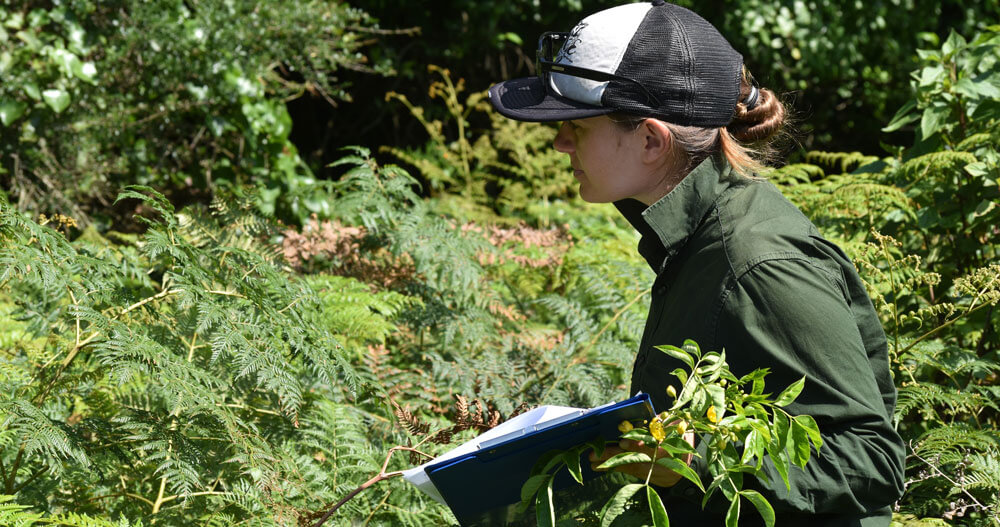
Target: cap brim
[(526, 99)]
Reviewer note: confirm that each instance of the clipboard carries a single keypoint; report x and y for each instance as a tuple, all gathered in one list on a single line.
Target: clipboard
[(482, 487)]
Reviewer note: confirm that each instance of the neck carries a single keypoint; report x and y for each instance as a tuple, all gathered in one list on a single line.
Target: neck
[(669, 177)]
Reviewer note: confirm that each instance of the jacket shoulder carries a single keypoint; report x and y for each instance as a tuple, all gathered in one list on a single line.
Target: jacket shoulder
[(757, 223)]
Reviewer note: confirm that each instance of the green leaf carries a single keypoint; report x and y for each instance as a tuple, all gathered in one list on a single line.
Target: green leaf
[(761, 504), (69, 61), (718, 397), (903, 117), (639, 434), (86, 71), (954, 44), (11, 110), (692, 348), (511, 37), (984, 208), (800, 445), (545, 512), (625, 458), (733, 514), (934, 118), (546, 461), (597, 445), (683, 469), (781, 426), (788, 396), (572, 459), (616, 505), (58, 100), (31, 90), (530, 487), (812, 429), (977, 169), (930, 75), (752, 446), (678, 354), (656, 508), (780, 460), (677, 446)]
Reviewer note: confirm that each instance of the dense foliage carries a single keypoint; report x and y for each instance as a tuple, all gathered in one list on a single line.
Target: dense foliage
[(194, 329), (183, 96)]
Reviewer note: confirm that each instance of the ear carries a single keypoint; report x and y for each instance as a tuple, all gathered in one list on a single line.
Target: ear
[(656, 141)]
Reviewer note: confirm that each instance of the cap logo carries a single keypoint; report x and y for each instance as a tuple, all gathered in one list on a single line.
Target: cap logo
[(569, 48)]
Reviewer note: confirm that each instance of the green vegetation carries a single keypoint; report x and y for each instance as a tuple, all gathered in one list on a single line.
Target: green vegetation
[(756, 425), (200, 326)]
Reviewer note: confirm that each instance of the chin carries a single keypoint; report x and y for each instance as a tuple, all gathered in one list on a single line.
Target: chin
[(591, 198), (587, 194)]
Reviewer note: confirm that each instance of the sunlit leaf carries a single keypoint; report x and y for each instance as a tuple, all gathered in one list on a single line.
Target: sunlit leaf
[(616, 505), (530, 487), (10, 111), (656, 509), (545, 512), (812, 429), (789, 394), (761, 504), (733, 514), (58, 100), (572, 460), (683, 469), (625, 458), (678, 354)]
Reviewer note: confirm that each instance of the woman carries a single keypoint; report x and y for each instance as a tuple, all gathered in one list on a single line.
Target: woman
[(655, 107)]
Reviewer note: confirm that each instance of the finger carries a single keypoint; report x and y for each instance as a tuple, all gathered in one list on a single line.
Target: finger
[(639, 446), (609, 452)]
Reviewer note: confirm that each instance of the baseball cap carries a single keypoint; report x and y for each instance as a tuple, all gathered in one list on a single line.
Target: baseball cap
[(647, 59)]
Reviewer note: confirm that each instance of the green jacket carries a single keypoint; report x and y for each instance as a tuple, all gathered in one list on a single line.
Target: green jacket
[(740, 268)]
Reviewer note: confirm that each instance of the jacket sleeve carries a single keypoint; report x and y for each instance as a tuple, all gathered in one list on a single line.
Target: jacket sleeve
[(794, 315)]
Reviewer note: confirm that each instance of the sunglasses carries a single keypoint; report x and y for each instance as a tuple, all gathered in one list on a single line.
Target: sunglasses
[(549, 45)]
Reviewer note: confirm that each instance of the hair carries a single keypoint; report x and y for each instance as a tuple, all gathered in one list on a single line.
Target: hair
[(745, 141)]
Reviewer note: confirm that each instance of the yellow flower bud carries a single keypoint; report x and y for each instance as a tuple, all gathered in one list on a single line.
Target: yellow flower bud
[(624, 427), (712, 416), (680, 427), (657, 431), (672, 392)]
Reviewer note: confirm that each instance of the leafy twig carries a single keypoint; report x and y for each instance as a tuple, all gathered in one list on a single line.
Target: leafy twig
[(381, 476)]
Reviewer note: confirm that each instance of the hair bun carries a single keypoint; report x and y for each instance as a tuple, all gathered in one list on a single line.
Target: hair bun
[(759, 124)]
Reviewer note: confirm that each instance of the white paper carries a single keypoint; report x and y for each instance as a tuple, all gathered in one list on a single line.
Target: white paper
[(531, 421)]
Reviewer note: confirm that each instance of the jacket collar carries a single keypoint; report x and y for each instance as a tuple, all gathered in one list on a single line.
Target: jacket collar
[(666, 225)]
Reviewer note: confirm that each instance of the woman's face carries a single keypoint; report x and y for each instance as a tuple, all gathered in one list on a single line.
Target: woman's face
[(607, 161)]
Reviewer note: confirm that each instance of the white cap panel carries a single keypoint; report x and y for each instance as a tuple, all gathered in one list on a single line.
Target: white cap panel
[(598, 42)]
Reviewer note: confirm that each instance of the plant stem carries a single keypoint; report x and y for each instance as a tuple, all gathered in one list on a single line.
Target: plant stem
[(934, 331), (9, 483), (382, 475), (955, 484), (29, 480)]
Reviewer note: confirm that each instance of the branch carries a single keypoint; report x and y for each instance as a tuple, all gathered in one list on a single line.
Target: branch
[(955, 484), (382, 475), (145, 301), (934, 331)]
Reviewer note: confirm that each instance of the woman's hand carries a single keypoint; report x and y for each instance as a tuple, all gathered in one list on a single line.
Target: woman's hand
[(661, 477)]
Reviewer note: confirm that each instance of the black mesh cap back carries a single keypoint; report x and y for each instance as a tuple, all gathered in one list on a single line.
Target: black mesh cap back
[(685, 62)]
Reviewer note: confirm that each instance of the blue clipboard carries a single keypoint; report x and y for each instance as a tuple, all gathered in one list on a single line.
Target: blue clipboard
[(482, 487)]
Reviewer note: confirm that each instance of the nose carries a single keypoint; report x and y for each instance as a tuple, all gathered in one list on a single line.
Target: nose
[(564, 139)]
